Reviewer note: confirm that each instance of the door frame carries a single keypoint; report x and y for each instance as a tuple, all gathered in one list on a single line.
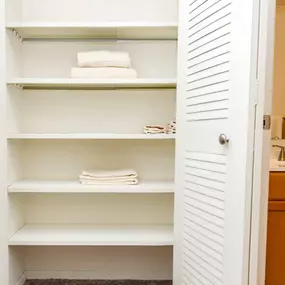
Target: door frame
[(262, 143)]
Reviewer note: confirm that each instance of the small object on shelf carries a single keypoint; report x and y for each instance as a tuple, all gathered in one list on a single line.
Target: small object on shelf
[(109, 177), (159, 129), (154, 129), (171, 128), (103, 64)]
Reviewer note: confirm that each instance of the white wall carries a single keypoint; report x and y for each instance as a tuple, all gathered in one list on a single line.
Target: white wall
[(278, 104), (99, 262), (279, 64)]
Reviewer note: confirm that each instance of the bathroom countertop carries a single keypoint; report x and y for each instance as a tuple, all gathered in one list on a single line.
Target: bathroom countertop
[(276, 167)]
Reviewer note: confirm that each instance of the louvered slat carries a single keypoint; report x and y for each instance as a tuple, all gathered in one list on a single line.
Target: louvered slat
[(205, 173)]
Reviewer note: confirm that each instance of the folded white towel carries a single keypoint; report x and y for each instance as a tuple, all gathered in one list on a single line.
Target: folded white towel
[(103, 73), (109, 177), (109, 173), (160, 127), (128, 182), (154, 129), (103, 59)]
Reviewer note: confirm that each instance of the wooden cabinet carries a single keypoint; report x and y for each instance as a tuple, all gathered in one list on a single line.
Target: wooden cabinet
[(277, 186), (275, 260)]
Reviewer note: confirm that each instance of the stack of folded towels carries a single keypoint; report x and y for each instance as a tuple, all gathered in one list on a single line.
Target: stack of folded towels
[(154, 129), (109, 177), (103, 65), (171, 128), (158, 129)]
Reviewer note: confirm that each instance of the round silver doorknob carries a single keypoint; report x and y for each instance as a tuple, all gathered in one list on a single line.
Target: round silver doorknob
[(223, 139)]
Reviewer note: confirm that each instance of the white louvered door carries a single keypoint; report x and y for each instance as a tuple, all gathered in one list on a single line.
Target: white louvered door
[(217, 59)]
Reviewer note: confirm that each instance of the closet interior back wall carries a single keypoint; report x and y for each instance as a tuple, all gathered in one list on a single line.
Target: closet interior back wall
[(144, 263), (99, 209), (65, 159), (91, 11), (105, 111), (151, 59)]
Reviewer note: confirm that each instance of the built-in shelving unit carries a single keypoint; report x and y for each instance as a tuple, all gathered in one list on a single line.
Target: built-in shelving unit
[(58, 126), (94, 136), (93, 235), (103, 30), (81, 84), (47, 186)]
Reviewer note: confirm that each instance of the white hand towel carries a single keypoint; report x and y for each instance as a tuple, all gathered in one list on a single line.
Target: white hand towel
[(110, 173), (109, 177), (154, 129), (129, 182), (103, 73), (103, 59), (106, 179)]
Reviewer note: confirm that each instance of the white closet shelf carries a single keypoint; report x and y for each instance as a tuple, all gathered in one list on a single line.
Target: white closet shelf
[(91, 136), (93, 235), (105, 30), (81, 84), (41, 186)]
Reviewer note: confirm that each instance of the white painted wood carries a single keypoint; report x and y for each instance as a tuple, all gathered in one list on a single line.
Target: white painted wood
[(159, 271), (16, 266), (16, 215), (64, 114), (93, 235), (39, 186), (22, 280), (65, 159), (102, 209), (67, 83), (7, 269), (216, 89), (93, 136), (101, 30), (151, 59), (262, 143), (99, 11), (99, 262), (69, 118)]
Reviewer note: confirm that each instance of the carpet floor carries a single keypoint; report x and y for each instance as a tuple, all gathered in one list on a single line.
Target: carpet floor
[(95, 282)]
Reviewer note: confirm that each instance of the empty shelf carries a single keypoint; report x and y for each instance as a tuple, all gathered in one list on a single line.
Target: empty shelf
[(93, 235), (107, 30), (90, 136), (38, 186), (90, 84)]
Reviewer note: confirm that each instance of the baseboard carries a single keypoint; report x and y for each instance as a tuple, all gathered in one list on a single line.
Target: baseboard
[(22, 279), (86, 275)]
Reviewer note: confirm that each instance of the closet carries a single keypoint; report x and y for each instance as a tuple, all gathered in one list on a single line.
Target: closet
[(58, 126), (54, 126)]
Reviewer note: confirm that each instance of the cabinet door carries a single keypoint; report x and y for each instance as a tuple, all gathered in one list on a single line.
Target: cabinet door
[(217, 59), (275, 259), (277, 186)]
